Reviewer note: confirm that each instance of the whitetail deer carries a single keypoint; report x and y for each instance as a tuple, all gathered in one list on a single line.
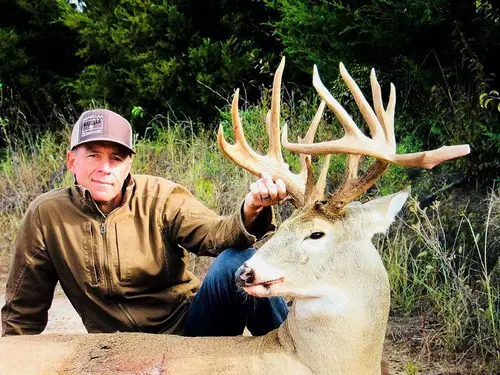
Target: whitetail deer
[(322, 256)]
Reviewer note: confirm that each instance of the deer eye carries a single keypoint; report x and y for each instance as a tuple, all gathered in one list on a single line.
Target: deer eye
[(316, 235)]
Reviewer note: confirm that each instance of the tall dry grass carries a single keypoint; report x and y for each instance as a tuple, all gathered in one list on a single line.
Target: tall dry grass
[(443, 264)]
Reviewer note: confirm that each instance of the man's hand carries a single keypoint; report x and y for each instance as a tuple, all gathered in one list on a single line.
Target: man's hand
[(263, 193)]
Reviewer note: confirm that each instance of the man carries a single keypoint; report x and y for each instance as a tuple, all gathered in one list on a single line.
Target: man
[(117, 244)]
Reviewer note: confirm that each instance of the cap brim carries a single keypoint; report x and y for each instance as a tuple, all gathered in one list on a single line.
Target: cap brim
[(103, 139)]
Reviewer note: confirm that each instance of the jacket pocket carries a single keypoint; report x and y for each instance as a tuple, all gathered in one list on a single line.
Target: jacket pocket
[(91, 256), (139, 258)]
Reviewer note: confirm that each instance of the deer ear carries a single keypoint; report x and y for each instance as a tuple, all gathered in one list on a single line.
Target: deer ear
[(381, 212)]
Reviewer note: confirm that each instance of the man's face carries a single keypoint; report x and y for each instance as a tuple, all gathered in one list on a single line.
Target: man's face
[(101, 167)]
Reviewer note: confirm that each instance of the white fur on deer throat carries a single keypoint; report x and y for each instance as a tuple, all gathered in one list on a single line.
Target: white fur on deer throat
[(333, 303)]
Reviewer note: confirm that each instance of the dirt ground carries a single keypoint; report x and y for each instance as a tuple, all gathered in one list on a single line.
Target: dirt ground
[(406, 348)]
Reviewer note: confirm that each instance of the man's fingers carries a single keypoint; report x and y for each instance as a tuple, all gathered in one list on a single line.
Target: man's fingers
[(263, 189), (272, 189), (256, 194), (254, 189), (265, 192), (266, 177), (281, 187), (259, 194)]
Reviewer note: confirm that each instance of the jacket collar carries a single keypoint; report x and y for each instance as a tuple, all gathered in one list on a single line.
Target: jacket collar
[(82, 196)]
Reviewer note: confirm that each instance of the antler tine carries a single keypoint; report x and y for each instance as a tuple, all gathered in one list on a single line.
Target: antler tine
[(241, 154), (318, 192), (241, 147), (365, 108), (350, 127), (314, 191), (309, 137), (274, 118), (386, 117)]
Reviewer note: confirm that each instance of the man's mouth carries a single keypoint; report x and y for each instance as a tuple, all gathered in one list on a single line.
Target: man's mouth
[(102, 182)]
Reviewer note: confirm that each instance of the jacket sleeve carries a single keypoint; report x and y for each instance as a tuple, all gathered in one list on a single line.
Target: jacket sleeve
[(31, 281), (200, 230)]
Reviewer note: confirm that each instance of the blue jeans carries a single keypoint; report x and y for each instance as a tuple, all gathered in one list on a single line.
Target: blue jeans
[(221, 309)]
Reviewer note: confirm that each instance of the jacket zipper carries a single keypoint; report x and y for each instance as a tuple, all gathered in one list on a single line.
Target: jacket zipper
[(106, 277), (94, 252)]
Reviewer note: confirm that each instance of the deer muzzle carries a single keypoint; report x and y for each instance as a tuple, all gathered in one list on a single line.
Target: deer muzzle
[(244, 276)]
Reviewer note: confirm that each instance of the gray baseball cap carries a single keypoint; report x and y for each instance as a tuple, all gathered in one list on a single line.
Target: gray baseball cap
[(102, 125)]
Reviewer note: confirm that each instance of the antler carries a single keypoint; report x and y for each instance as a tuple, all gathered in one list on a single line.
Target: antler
[(381, 146), (313, 191), (298, 185)]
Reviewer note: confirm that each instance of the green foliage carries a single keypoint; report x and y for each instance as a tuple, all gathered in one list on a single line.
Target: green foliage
[(486, 10), (412, 368), (36, 54), (460, 120), (315, 33), (181, 56), (143, 58), (490, 100), (13, 58), (137, 112)]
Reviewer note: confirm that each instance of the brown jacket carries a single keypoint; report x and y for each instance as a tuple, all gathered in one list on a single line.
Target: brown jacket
[(122, 272)]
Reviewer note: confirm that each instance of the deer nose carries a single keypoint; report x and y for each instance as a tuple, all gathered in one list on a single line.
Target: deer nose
[(244, 275)]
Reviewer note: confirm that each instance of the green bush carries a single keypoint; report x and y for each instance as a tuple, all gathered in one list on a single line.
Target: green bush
[(185, 57), (37, 53)]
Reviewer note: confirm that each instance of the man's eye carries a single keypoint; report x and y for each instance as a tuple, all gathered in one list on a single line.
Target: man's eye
[(316, 235)]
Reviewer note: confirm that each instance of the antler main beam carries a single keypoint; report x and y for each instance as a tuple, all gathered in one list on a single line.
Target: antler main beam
[(382, 144), (241, 153)]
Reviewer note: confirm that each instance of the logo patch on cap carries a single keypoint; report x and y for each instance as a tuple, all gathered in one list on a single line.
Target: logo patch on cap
[(91, 124)]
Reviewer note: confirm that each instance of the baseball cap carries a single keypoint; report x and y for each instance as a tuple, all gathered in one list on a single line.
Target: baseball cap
[(102, 125)]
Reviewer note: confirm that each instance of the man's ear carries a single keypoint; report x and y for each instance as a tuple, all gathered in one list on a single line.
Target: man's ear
[(70, 161), (381, 212)]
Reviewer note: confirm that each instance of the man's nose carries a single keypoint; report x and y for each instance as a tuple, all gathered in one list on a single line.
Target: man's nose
[(105, 165)]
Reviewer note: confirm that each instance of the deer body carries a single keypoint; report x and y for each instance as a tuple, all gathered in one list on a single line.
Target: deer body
[(136, 353)]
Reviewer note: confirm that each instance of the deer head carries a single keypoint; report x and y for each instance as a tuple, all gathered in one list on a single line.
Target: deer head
[(323, 255)]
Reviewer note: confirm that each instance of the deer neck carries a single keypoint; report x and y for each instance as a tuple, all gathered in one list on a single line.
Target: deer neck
[(338, 333)]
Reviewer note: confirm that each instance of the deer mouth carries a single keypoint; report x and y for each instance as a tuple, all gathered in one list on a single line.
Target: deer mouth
[(261, 288), (269, 283)]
